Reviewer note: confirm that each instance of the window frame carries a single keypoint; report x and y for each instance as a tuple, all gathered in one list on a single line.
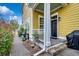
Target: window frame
[(39, 21)]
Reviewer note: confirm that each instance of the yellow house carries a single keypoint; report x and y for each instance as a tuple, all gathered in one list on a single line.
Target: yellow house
[(54, 20)]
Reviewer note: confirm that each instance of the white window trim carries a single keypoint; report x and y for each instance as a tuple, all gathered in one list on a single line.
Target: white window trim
[(39, 21)]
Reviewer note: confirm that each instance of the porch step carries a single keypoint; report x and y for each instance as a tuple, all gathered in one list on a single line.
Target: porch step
[(56, 49)]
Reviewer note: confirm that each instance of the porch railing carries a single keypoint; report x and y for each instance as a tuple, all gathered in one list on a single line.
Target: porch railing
[(40, 33)]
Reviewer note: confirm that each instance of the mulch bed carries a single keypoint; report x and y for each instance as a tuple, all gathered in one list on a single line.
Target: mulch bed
[(28, 46)]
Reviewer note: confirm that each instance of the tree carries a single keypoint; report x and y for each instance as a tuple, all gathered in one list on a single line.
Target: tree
[(14, 25)]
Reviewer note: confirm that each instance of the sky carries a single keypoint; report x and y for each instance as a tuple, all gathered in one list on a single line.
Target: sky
[(11, 11)]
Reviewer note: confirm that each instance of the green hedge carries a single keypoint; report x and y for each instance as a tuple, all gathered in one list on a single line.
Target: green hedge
[(5, 42)]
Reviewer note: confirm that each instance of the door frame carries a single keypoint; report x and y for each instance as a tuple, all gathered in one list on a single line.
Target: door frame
[(57, 21)]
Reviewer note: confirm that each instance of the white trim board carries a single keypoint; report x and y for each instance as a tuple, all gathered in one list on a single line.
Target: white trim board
[(39, 20)]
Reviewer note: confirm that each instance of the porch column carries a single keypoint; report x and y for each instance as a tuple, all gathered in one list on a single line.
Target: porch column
[(47, 25), (31, 24)]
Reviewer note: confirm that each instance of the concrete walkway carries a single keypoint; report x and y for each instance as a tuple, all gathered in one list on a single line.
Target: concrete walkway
[(18, 48)]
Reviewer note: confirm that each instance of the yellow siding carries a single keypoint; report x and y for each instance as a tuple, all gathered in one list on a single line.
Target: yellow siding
[(35, 19), (69, 20)]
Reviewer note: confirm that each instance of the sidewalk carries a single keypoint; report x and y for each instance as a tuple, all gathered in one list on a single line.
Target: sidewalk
[(18, 49)]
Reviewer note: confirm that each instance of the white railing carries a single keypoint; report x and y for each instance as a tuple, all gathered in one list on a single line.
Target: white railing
[(40, 33)]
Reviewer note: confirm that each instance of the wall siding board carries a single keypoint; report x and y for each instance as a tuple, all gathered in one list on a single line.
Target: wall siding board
[(69, 20)]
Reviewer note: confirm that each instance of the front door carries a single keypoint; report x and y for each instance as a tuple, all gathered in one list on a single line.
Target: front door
[(54, 26)]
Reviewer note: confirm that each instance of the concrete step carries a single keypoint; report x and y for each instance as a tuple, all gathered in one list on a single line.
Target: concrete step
[(57, 48)]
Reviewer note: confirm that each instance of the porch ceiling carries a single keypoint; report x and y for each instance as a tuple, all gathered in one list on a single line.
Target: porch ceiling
[(40, 6)]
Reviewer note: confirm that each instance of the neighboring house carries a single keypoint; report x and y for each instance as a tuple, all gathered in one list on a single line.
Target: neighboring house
[(54, 20), (24, 7), (27, 19)]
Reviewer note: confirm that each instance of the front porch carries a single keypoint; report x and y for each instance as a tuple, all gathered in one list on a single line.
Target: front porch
[(45, 23)]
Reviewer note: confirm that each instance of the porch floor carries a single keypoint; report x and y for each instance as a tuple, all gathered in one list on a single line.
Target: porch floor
[(56, 41)]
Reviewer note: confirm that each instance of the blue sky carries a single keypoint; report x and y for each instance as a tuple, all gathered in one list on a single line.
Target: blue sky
[(11, 10)]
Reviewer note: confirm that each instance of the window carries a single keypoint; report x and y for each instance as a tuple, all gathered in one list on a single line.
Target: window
[(41, 21), (41, 27)]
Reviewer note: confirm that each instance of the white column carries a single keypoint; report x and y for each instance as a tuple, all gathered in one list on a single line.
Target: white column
[(47, 25), (31, 24)]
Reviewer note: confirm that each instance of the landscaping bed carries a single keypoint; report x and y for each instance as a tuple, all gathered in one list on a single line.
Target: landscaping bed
[(28, 44)]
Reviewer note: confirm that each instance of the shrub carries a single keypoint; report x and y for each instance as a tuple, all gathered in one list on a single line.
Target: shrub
[(5, 42)]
